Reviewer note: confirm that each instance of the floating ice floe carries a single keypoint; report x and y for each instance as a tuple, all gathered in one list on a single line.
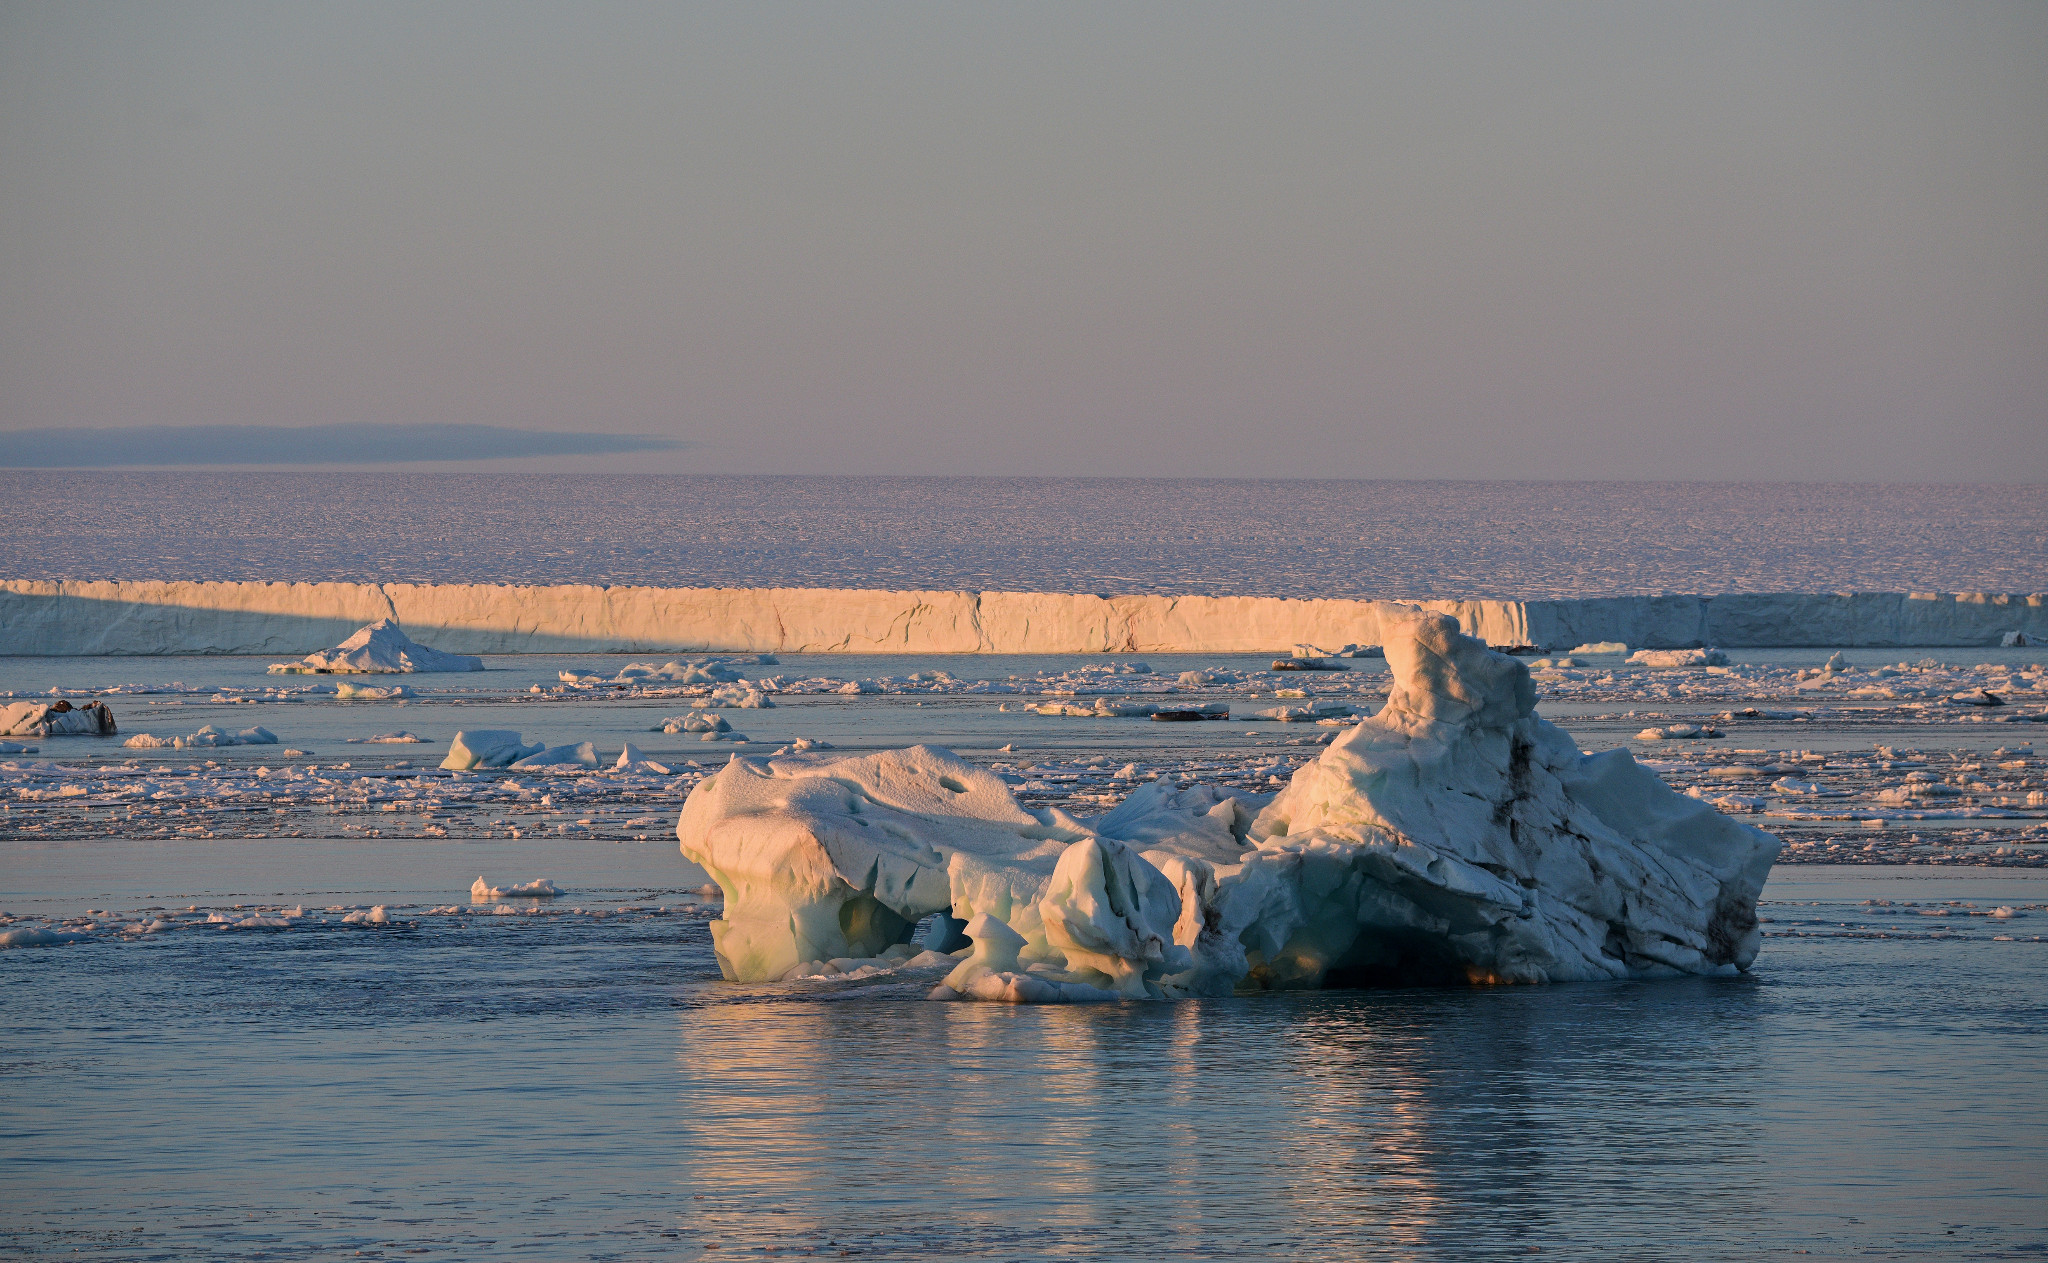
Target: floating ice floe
[(387, 739), (1600, 647), (2015, 640), (1677, 658), (1453, 836), (56, 719), (33, 936), (1105, 708), (736, 697), (481, 891), (1679, 732), (1322, 708), (488, 748), (206, 738), (708, 726), (371, 693), (16, 747), (1979, 697), (703, 671), (581, 754), (379, 649), (1308, 658)]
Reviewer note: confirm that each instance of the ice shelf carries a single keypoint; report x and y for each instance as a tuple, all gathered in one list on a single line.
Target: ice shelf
[(123, 617)]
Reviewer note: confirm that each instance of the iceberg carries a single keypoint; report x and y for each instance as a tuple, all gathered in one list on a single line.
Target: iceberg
[(1452, 837), (488, 748), (56, 719), (580, 754), (378, 649)]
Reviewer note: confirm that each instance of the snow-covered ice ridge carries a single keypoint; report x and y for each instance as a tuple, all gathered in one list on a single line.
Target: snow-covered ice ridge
[(1212, 537), (1452, 835), (39, 617)]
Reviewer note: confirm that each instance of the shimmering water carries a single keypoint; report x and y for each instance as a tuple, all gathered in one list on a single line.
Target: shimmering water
[(569, 1086)]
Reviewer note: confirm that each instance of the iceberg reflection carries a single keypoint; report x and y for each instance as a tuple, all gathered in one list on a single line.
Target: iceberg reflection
[(1438, 1122)]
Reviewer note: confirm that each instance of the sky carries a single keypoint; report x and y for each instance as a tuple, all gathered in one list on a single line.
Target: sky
[(1587, 240)]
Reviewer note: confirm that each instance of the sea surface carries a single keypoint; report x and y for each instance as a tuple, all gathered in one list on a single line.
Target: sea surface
[(284, 1031), (580, 1085), (1302, 538)]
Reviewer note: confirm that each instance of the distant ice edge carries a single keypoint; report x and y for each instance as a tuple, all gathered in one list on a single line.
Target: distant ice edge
[(68, 618), (1453, 837)]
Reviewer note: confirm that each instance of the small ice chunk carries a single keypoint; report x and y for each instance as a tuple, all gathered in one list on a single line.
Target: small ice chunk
[(370, 692), (1678, 658), (206, 738), (481, 891)]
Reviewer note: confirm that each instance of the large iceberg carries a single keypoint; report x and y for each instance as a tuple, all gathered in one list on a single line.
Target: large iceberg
[(1454, 836), (378, 649)]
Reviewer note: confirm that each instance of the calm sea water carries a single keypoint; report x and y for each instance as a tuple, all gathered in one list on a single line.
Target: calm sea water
[(573, 1081), (574, 1087), (1253, 537)]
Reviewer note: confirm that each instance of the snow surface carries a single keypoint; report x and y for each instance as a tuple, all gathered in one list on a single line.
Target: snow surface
[(378, 649), (1452, 835), (1256, 537)]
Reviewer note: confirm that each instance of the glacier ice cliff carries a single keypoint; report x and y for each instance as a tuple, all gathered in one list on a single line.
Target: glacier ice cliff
[(1452, 837), (39, 617)]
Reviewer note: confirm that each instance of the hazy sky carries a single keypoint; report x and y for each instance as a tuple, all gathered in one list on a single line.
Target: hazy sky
[(1716, 240)]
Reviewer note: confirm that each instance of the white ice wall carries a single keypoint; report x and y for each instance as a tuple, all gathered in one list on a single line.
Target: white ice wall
[(73, 618)]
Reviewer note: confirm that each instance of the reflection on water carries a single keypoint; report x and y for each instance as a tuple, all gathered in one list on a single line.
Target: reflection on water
[(568, 1087), (1333, 1123)]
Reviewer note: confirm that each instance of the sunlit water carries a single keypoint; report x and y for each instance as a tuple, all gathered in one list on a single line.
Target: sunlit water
[(570, 1086), (571, 1080)]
